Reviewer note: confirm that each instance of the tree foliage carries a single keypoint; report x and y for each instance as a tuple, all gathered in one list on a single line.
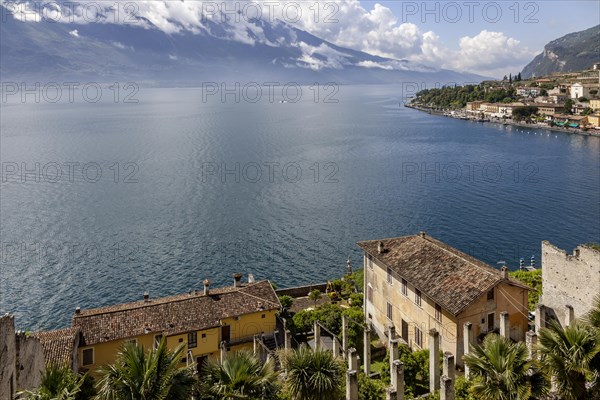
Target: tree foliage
[(240, 376)]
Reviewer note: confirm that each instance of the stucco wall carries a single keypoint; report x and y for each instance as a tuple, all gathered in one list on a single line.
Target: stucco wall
[(569, 279)]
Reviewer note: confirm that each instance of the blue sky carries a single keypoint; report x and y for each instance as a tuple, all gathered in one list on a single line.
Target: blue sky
[(555, 19)]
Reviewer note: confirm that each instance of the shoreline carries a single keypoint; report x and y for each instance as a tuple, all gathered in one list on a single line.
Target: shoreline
[(442, 113)]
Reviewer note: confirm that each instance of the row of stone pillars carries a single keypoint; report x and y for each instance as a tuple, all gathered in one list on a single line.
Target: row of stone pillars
[(344, 345)]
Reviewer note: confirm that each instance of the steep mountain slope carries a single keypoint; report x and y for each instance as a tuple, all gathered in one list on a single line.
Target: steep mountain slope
[(573, 52)]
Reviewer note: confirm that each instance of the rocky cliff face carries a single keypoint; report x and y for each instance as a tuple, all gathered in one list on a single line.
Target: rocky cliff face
[(573, 52)]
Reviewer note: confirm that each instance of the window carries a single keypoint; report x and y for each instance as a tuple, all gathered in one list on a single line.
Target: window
[(438, 312), (389, 311), (490, 321), (192, 340), (157, 340), (263, 316), (404, 287), (490, 294), (370, 261), (389, 275), (370, 294), (405, 330), (87, 356), (418, 297), (418, 337)]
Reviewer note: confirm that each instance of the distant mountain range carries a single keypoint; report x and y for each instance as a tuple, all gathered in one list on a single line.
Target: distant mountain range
[(573, 52), (275, 51)]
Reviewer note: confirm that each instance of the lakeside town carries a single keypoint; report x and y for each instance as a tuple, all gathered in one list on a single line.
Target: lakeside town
[(419, 319), (567, 102)]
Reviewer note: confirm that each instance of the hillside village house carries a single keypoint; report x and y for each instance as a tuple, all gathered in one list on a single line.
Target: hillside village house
[(473, 105), (595, 104), (582, 89), (528, 91), (548, 109), (209, 322), (416, 283), (507, 108)]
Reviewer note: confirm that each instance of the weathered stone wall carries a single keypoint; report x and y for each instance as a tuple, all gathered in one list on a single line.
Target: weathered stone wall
[(30, 361), (21, 359), (569, 279), (301, 291), (8, 357)]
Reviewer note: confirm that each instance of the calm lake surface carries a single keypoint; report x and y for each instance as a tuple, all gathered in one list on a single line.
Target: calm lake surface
[(159, 195)]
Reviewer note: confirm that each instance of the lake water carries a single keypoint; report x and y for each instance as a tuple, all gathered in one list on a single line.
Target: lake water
[(156, 196)]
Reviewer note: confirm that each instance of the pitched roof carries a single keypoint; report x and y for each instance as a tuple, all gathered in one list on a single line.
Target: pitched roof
[(58, 345), (175, 314), (450, 277)]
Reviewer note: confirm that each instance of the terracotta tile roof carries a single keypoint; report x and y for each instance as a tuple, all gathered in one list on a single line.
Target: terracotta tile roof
[(58, 345), (448, 276), (175, 314)]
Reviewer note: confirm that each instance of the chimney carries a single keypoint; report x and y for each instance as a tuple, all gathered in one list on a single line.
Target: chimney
[(146, 296), (77, 310), (576, 252), (237, 280), (422, 234), (251, 278), (206, 285), (533, 262), (380, 247), (504, 272)]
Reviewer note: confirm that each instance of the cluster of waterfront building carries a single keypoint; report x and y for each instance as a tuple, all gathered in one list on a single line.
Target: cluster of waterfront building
[(418, 291), (582, 88)]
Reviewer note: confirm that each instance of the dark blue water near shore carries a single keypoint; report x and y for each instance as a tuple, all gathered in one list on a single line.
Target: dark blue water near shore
[(163, 216)]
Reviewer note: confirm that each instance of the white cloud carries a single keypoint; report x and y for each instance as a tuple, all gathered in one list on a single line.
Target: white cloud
[(346, 23), (172, 57), (74, 33)]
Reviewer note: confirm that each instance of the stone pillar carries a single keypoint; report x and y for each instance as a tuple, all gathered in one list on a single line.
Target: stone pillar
[(391, 334), (352, 385), (288, 340), (367, 351), (449, 365), (393, 353), (352, 360), (530, 341), (345, 335), (467, 339), (504, 325), (391, 394), (434, 360), (223, 351), (569, 315), (336, 347), (540, 317), (317, 329), (397, 378), (447, 388), (256, 347)]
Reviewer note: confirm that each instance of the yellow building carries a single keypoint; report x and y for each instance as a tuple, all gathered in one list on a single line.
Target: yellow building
[(209, 322), (473, 105), (594, 120), (595, 104), (417, 283)]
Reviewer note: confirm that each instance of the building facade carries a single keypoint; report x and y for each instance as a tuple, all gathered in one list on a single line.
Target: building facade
[(569, 283), (417, 283), (209, 323)]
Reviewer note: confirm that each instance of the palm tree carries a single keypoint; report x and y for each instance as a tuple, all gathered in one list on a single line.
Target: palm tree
[(571, 356), (593, 316), (502, 370), (60, 383), (312, 374), (141, 375), (241, 375)]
